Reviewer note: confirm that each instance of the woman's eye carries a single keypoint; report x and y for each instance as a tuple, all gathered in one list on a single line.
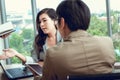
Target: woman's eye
[(44, 20)]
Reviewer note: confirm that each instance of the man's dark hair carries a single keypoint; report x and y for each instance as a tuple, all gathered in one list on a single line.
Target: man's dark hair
[(76, 14)]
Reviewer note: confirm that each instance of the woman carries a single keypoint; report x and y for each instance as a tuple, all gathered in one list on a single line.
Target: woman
[(47, 36)]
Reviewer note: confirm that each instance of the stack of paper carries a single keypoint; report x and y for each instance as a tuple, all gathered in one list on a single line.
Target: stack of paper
[(6, 28)]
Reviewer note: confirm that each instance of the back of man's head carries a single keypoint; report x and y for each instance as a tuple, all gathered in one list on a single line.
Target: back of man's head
[(75, 13)]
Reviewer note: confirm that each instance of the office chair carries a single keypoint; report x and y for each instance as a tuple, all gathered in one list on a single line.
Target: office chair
[(108, 76)]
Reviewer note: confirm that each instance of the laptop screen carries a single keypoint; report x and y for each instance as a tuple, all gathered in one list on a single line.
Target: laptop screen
[(16, 71)]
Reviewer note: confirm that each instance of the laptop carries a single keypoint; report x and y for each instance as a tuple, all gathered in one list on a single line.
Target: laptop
[(16, 73)]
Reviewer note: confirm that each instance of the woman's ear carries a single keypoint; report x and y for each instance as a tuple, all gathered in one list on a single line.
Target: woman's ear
[(55, 22)]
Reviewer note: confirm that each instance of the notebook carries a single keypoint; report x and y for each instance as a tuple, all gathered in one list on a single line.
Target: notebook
[(6, 28), (6, 32), (16, 73)]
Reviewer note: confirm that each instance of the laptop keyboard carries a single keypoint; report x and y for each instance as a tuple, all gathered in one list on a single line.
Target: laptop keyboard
[(20, 72)]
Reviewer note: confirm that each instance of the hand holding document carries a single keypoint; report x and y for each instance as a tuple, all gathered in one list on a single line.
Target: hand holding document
[(6, 29)]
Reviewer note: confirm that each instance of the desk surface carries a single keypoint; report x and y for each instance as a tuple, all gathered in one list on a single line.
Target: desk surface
[(3, 76)]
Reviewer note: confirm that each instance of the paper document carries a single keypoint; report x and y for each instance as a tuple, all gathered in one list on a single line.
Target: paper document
[(6, 28)]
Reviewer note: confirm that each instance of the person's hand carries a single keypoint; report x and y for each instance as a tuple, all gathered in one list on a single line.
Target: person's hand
[(4, 36), (41, 63), (9, 52), (3, 56)]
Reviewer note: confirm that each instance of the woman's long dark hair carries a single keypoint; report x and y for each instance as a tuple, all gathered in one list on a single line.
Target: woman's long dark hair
[(41, 37)]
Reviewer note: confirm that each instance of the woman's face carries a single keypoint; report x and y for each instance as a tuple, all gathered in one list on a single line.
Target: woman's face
[(46, 23)]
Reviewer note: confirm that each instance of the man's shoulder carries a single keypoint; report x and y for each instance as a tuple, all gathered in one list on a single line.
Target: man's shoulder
[(103, 40), (103, 37), (57, 48)]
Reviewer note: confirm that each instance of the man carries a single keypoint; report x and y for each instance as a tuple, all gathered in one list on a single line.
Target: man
[(80, 53)]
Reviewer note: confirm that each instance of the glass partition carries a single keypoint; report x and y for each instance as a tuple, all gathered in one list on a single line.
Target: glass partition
[(98, 24), (115, 18), (47, 4), (20, 14)]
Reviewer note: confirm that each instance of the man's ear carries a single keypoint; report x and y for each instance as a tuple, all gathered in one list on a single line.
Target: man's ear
[(62, 23)]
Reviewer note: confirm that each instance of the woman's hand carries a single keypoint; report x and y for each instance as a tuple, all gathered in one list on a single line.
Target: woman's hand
[(3, 56), (8, 53)]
